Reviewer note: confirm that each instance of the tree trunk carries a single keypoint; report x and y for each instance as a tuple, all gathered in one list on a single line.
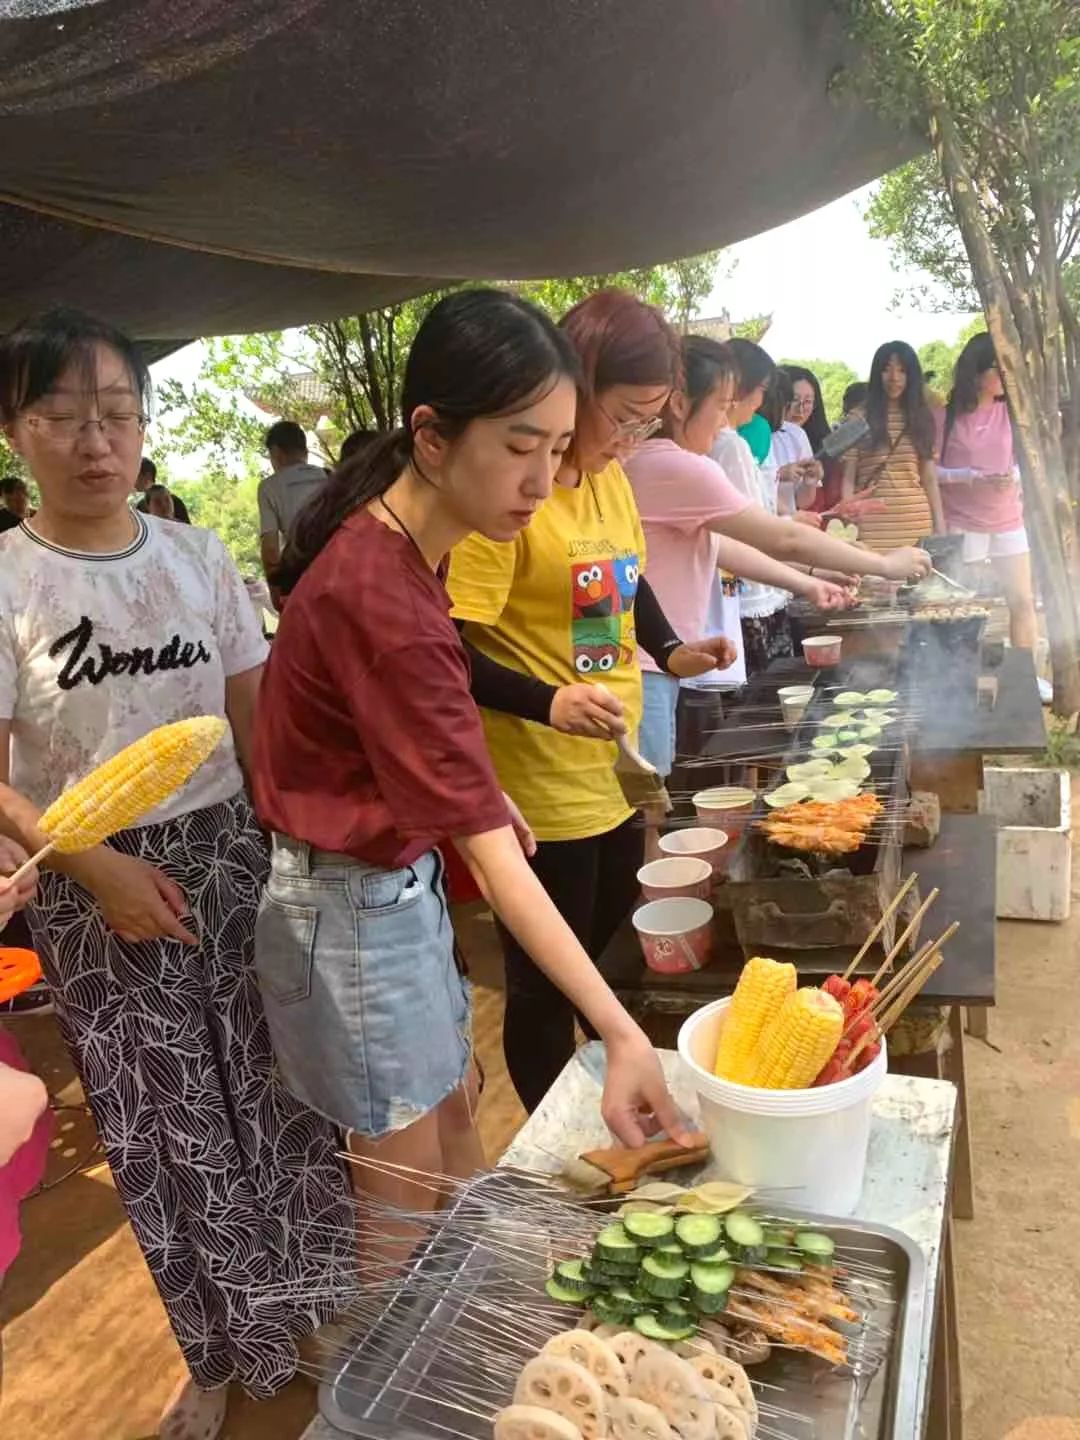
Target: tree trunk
[(1048, 513)]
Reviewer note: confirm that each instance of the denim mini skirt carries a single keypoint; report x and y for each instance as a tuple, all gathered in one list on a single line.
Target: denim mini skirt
[(368, 1011)]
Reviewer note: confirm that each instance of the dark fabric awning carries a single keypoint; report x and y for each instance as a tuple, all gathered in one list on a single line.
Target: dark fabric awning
[(196, 167)]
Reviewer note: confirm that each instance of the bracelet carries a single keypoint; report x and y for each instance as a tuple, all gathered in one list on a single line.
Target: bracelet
[(810, 570)]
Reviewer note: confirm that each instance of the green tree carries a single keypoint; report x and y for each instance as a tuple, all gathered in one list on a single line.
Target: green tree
[(335, 377), (992, 212), (834, 376), (938, 357)]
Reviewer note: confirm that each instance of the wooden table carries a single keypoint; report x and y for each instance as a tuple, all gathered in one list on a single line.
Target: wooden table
[(962, 864), (948, 746), (907, 1188)]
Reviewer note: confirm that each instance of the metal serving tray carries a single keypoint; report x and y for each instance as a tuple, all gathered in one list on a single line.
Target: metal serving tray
[(435, 1362)]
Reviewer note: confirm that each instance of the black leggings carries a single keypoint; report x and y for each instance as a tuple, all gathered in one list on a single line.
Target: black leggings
[(593, 883)]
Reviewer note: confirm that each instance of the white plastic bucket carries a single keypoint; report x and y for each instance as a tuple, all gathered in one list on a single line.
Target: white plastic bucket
[(804, 1147)]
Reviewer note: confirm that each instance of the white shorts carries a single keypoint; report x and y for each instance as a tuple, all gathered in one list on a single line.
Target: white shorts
[(979, 545)]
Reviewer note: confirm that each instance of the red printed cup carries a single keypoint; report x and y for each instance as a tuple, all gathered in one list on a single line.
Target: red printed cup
[(822, 651), (703, 842), (674, 876), (675, 935)]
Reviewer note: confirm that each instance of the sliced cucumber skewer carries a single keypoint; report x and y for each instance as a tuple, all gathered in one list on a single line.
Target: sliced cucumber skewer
[(699, 1233), (614, 1245), (565, 1296), (648, 1228), (783, 1260), (662, 1277), (744, 1231), (570, 1274), (818, 1247), (653, 1328)]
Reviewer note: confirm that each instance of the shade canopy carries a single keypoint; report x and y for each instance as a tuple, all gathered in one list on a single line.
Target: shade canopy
[(196, 167)]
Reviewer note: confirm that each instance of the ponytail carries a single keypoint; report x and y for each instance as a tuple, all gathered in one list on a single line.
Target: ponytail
[(355, 483), (477, 354)]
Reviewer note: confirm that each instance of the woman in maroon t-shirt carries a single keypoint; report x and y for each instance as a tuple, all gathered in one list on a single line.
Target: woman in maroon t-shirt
[(369, 754)]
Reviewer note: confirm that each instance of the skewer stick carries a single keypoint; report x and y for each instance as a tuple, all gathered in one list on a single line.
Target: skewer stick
[(876, 931), (915, 922), (28, 865), (901, 993)]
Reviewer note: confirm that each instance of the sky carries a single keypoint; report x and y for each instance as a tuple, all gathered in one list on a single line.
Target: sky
[(829, 287)]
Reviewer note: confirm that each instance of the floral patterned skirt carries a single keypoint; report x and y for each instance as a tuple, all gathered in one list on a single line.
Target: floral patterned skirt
[(234, 1190)]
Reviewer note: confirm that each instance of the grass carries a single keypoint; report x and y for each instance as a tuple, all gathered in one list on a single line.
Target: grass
[(1062, 747)]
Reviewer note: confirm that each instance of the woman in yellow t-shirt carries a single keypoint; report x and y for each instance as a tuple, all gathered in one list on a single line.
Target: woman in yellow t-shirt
[(546, 617)]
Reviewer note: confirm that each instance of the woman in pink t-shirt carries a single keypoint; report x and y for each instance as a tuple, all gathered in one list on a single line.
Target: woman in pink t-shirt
[(696, 519), (980, 486)]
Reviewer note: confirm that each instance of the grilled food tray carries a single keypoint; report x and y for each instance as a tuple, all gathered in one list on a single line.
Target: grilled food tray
[(441, 1357)]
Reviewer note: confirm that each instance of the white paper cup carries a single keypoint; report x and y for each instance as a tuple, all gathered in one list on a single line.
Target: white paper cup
[(703, 842), (676, 875), (726, 806)]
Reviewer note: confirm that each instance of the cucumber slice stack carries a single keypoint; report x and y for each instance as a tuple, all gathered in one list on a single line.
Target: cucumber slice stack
[(663, 1275)]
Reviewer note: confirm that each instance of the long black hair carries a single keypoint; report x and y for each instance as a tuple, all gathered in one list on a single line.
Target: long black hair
[(39, 349), (705, 363), (477, 354), (817, 426), (918, 421), (778, 397), (753, 365), (974, 360)]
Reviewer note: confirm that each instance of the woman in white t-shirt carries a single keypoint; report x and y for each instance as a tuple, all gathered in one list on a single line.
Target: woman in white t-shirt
[(110, 625)]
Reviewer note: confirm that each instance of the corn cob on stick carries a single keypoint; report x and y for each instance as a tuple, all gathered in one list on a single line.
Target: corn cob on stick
[(121, 790), (763, 987), (799, 1040)]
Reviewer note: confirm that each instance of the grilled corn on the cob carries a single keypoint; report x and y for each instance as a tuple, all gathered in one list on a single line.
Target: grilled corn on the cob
[(798, 1041), (123, 789), (763, 987)]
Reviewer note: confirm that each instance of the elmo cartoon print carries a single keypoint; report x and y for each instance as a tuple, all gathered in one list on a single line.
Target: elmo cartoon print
[(594, 589)]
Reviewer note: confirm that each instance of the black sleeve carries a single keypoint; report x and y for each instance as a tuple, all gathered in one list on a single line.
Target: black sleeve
[(500, 688), (654, 632)]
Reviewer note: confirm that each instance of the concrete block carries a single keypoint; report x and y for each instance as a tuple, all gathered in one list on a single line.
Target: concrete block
[(1034, 841)]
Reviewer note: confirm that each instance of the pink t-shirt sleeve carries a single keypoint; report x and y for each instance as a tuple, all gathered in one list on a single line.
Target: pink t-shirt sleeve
[(684, 491)]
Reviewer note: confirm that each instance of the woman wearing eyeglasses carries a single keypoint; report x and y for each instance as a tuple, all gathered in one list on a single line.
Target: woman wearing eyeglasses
[(111, 624), (562, 607)]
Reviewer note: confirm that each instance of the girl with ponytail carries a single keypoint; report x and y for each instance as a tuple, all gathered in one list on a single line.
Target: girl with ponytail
[(370, 755)]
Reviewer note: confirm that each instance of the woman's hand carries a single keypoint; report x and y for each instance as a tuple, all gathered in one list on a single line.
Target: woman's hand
[(137, 900), (23, 1099), (1001, 483), (526, 838), (589, 710), (698, 657), (637, 1103), (14, 897), (908, 563), (808, 517), (827, 596)]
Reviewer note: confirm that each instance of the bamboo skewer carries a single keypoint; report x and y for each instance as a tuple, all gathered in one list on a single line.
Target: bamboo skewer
[(916, 920), (28, 865), (876, 931), (899, 994)]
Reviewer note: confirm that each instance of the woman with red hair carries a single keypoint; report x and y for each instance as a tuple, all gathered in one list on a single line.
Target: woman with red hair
[(547, 616)]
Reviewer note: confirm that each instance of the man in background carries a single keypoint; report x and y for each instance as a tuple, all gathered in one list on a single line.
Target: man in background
[(285, 492), (14, 502), (147, 480)]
